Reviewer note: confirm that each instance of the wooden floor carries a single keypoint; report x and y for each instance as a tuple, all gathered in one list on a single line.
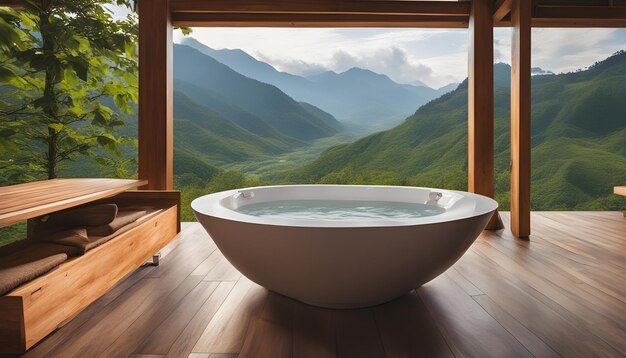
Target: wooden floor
[(562, 293)]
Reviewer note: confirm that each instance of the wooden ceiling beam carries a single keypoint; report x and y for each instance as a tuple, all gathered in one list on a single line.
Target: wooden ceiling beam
[(574, 2), (580, 12), (345, 7), (576, 23), (502, 10), (579, 16), (316, 20)]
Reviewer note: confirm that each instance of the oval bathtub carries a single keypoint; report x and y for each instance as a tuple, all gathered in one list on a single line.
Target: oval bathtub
[(343, 261)]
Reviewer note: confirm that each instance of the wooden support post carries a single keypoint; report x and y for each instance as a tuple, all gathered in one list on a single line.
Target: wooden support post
[(520, 118), (480, 104), (155, 94)]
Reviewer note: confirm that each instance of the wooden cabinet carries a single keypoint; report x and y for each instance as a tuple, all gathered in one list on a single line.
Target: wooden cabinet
[(33, 310)]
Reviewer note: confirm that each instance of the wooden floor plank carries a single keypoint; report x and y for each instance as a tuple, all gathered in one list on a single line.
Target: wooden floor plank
[(555, 286), (357, 334), (222, 271), (534, 344), (74, 325), (226, 331), (132, 337), (208, 264), (408, 330), (270, 331), (468, 328), (98, 333), (313, 332), (565, 338), (164, 329), (563, 292), (188, 338), (462, 282)]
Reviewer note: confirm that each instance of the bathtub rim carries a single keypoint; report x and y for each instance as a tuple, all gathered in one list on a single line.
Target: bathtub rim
[(212, 205)]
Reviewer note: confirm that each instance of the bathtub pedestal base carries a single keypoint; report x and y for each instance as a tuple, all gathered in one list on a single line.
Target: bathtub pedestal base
[(354, 306)]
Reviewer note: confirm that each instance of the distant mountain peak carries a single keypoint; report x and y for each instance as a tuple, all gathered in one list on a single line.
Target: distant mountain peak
[(419, 83), (359, 69), (502, 65), (448, 88), (358, 73), (237, 59)]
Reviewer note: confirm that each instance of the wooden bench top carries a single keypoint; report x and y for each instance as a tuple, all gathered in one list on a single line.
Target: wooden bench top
[(26, 201), (620, 190)]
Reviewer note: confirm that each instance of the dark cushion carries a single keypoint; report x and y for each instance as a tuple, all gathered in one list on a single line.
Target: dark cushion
[(30, 262), (125, 216), (76, 238), (92, 215)]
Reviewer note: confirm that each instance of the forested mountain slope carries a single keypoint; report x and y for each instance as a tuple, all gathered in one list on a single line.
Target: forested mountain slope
[(578, 142), (208, 82)]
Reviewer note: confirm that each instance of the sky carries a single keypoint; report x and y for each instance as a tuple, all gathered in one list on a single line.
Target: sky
[(435, 57)]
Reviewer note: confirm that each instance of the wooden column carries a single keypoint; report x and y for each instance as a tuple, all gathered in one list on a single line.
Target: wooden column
[(520, 118), (480, 104), (155, 94)]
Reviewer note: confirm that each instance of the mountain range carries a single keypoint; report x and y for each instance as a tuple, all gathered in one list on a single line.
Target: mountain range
[(248, 102), (358, 97), (578, 142), (221, 116)]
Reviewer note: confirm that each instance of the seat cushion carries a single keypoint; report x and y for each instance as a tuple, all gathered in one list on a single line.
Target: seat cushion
[(29, 262), (125, 216), (76, 238), (91, 215)]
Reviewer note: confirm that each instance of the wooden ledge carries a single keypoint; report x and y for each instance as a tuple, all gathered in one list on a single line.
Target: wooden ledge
[(25, 201)]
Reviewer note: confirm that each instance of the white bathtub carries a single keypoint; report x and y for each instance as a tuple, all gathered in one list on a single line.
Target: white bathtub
[(343, 263)]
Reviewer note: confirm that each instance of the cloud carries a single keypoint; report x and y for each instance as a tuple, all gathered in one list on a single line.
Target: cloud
[(561, 50), (434, 56), (502, 45), (293, 66), (392, 61), (405, 55)]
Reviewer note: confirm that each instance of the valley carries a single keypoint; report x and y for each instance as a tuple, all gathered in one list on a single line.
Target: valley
[(579, 149)]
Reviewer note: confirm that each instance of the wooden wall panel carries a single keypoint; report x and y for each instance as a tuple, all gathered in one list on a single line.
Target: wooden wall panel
[(520, 118), (155, 94), (480, 104)]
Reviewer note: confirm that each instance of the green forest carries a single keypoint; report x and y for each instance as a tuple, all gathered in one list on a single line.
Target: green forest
[(68, 85)]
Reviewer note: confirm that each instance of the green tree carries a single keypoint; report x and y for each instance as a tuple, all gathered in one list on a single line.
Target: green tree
[(68, 74)]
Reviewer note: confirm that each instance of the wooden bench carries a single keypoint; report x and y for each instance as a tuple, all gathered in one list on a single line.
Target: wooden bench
[(620, 190), (33, 310)]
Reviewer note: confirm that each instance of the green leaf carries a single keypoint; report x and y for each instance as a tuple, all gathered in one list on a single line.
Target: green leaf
[(81, 70), (184, 30), (105, 139), (10, 77), (57, 127), (6, 144)]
